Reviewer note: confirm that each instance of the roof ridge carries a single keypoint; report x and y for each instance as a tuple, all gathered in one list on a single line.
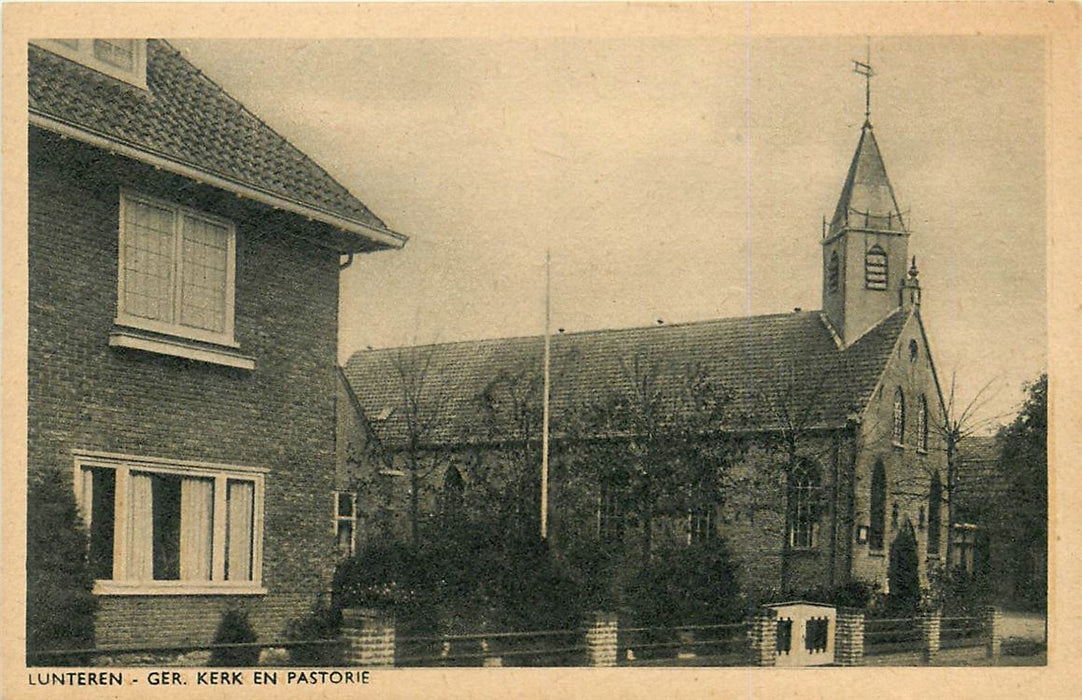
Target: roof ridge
[(199, 72), (586, 332)]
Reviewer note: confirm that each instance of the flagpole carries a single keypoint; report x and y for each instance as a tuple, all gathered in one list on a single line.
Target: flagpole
[(545, 402)]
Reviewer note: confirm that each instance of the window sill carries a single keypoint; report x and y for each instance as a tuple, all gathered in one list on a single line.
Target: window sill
[(804, 551), (877, 553), (176, 588), (897, 445), (391, 472), (179, 347), (922, 450)]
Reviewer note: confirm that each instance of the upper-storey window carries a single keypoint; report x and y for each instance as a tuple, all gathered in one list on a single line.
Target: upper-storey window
[(875, 268), (171, 527), (124, 59), (176, 271), (898, 432)]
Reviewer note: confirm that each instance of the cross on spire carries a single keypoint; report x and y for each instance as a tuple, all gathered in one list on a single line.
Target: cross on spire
[(865, 68)]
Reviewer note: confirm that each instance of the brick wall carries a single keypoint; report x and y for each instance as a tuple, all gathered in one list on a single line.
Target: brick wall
[(909, 469), (85, 395)]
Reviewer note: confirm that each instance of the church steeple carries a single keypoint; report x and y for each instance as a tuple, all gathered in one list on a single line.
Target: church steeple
[(865, 244)]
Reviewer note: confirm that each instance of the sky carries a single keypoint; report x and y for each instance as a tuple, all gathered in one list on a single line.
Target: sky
[(671, 178)]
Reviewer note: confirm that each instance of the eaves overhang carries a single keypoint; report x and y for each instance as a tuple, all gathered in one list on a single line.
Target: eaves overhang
[(357, 236)]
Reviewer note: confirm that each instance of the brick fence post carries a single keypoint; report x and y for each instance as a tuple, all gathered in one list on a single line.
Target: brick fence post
[(600, 630), (369, 635), (849, 637), (993, 624), (763, 638), (929, 635)]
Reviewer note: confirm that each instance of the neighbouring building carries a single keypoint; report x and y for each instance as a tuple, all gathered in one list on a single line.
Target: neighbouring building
[(852, 389), (184, 265)]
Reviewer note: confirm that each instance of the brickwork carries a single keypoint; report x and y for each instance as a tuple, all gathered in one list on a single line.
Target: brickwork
[(929, 635), (86, 395), (849, 637), (993, 624), (763, 638), (909, 468), (370, 636), (600, 632)]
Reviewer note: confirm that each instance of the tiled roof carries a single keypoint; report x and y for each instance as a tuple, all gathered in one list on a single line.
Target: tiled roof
[(186, 118), (979, 478), (769, 364)]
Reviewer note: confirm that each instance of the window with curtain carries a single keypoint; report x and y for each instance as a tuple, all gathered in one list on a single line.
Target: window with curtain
[(157, 525), (176, 270), (803, 498), (898, 429), (875, 268), (935, 498), (878, 525)]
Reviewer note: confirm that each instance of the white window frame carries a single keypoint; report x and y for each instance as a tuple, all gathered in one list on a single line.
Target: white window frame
[(805, 494), (176, 328), (702, 523), (351, 519), (221, 474), (81, 51)]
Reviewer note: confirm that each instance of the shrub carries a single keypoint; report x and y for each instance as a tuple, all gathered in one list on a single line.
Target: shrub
[(60, 605), (322, 622), (234, 628), (684, 586)]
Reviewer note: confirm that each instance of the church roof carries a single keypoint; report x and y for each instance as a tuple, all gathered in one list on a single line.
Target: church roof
[(867, 199), (769, 364), (186, 123)]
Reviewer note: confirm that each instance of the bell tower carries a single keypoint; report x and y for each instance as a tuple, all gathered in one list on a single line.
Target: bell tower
[(866, 242)]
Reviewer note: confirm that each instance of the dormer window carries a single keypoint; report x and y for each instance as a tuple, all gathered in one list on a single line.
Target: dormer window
[(875, 268), (123, 59)]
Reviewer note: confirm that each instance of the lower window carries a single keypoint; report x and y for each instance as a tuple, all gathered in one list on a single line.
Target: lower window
[(183, 527)]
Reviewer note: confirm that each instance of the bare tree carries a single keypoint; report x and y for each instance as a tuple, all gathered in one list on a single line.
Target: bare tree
[(658, 435), (421, 413), (792, 411)]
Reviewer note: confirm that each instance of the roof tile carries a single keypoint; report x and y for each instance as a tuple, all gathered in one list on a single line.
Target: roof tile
[(787, 361)]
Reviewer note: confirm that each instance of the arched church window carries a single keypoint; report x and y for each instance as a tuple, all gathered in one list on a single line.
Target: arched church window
[(878, 524), (610, 511), (833, 272), (922, 423), (898, 431), (875, 268), (803, 511), (935, 496), (453, 490)]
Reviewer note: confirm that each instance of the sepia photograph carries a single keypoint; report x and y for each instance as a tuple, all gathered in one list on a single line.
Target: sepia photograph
[(554, 349)]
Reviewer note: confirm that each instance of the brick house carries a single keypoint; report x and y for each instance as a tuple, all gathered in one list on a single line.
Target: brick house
[(183, 298), (854, 385)]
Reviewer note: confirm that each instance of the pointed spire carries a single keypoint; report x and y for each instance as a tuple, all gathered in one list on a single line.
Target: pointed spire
[(867, 199)]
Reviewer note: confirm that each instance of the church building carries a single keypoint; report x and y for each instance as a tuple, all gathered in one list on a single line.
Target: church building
[(834, 469)]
